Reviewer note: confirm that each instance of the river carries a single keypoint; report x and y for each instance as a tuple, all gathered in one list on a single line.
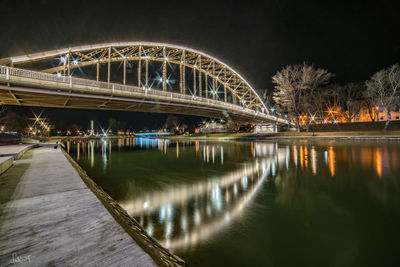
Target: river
[(278, 203)]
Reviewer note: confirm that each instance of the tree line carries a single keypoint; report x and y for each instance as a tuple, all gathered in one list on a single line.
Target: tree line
[(305, 95)]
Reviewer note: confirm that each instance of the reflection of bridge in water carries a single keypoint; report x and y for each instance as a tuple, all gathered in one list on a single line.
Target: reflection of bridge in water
[(182, 216)]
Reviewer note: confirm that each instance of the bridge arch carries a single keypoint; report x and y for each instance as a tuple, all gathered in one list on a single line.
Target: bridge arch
[(210, 78)]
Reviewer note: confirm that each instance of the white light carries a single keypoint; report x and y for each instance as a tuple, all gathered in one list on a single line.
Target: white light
[(160, 79), (62, 59), (166, 58), (146, 56), (195, 66), (58, 74), (75, 62)]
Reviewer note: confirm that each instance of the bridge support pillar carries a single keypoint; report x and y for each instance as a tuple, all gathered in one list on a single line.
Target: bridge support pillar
[(265, 128)]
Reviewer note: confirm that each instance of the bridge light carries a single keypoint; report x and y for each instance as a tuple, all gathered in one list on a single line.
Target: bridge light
[(62, 59), (160, 79), (146, 56), (166, 58), (123, 57), (75, 62), (58, 74), (195, 66)]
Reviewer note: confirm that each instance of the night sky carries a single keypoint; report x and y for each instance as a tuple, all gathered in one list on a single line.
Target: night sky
[(352, 40)]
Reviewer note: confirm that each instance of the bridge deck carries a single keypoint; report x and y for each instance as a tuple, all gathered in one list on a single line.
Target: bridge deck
[(32, 88), (49, 217)]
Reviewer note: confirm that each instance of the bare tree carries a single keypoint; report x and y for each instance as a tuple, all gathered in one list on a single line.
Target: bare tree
[(333, 98), (352, 100), (294, 86), (384, 89)]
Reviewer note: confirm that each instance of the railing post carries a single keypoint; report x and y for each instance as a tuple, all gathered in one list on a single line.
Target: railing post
[(98, 71), (7, 73), (124, 71), (109, 64)]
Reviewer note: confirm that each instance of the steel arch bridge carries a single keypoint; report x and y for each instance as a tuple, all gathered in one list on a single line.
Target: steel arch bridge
[(136, 76)]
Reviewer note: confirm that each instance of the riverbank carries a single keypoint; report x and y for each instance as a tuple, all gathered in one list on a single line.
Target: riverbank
[(361, 135), (49, 216)]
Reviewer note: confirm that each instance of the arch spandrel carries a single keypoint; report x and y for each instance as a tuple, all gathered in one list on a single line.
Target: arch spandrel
[(242, 93)]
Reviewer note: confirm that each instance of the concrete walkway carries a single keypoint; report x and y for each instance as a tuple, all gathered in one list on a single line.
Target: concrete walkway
[(16, 151), (49, 217)]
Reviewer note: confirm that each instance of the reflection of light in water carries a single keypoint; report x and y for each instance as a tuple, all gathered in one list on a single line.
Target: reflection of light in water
[(222, 156), (197, 218), (326, 157), (331, 160), (78, 145), (305, 156), (252, 149), (273, 168), (204, 153), (168, 229), (208, 210), (208, 229), (301, 156), (177, 150), (208, 154), (91, 154), (244, 182), (217, 201), (162, 214), (104, 152), (149, 229), (378, 163), (295, 155), (313, 160), (287, 157), (216, 197), (213, 154), (184, 223), (169, 211)]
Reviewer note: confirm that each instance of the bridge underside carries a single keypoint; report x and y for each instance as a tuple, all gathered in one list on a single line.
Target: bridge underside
[(26, 96)]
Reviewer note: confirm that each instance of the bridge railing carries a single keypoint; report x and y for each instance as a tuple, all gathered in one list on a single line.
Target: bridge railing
[(69, 81)]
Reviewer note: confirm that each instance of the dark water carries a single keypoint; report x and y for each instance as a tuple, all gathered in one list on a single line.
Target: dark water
[(293, 203)]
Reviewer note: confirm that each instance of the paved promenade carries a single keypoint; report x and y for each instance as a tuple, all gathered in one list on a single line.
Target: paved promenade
[(16, 151), (49, 217)]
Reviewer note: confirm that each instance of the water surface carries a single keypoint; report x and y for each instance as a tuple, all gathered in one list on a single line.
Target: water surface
[(289, 203)]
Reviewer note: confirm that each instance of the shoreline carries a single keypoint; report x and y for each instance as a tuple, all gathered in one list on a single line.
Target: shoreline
[(161, 255)]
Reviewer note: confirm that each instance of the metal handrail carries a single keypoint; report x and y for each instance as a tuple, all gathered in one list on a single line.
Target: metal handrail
[(70, 81)]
